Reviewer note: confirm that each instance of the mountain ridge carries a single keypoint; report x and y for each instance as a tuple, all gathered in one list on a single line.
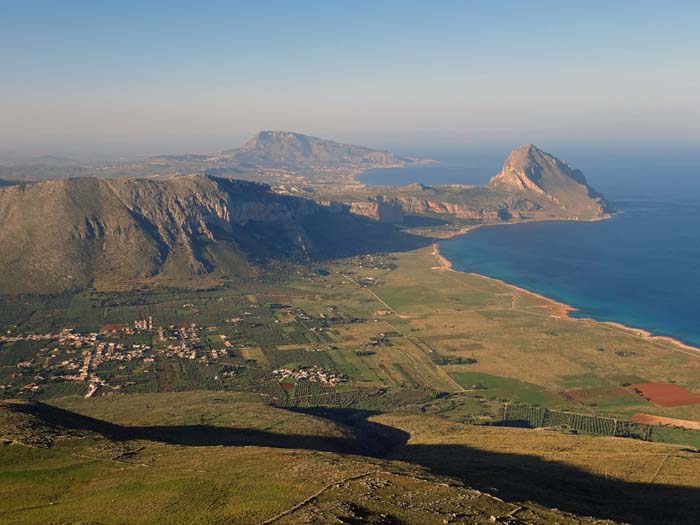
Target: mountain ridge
[(81, 232)]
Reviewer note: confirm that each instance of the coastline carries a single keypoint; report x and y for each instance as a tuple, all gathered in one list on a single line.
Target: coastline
[(564, 309), (466, 229)]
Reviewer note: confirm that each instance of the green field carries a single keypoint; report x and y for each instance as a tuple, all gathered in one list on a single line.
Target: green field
[(505, 388)]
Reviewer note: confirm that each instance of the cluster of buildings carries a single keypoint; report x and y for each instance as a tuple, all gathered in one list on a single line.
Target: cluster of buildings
[(375, 262), (97, 359), (140, 325), (75, 357), (314, 374), (181, 339), (144, 324), (65, 338)]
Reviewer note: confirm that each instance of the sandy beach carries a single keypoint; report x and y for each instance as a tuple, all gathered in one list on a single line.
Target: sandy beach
[(564, 310)]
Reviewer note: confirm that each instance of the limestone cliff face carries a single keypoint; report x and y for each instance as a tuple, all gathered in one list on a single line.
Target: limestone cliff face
[(522, 169), (197, 204), (393, 209), (380, 209), (417, 206)]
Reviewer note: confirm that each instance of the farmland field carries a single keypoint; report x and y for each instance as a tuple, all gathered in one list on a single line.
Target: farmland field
[(666, 394)]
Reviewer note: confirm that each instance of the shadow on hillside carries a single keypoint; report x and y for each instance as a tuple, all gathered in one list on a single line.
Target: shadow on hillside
[(421, 221), (337, 236), (511, 477), (326, 236), (520, 477), (362, 438), (378, 439)]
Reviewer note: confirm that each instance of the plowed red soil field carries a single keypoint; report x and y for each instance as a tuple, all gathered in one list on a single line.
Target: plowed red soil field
[(666, 394)]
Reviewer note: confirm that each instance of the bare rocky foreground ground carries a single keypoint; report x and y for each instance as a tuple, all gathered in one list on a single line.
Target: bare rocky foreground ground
[(205, 457)]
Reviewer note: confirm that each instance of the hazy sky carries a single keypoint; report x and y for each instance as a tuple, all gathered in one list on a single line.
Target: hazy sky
[(148, 76)]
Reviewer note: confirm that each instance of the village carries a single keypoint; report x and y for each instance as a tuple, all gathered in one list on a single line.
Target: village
[(70, 356), (314, 374), (126, 357)]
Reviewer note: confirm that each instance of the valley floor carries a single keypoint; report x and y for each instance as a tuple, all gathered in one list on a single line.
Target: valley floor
[(377, 389)]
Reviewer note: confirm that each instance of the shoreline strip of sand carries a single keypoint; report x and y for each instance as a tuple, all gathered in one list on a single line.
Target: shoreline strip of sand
[(662, 340)]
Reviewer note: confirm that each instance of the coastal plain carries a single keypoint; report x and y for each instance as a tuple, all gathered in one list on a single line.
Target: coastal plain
[(429, 359)]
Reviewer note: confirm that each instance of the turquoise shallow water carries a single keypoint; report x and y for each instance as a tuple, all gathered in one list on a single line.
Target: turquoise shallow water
[(640, 268)]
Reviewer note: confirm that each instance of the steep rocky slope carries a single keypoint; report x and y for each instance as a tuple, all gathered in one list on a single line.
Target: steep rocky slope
[(74, 233), (530, 170), (452, 202)]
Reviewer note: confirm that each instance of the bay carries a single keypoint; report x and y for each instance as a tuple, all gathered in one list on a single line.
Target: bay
[(640, 268)]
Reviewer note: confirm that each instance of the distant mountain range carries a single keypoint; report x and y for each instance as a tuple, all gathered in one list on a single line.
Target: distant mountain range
[(310, 159), (269, 155)]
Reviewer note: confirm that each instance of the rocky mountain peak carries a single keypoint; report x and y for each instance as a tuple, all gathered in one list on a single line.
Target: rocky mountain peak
[(530, 169)]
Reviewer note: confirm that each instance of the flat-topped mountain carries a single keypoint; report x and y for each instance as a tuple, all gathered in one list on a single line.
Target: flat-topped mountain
[(531, 170), (285, 148)]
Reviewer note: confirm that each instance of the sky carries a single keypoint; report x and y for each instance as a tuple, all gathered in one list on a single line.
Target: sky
[(142, 77)]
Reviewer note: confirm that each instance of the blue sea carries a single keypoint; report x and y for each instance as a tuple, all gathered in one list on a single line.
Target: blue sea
[(640, 268)]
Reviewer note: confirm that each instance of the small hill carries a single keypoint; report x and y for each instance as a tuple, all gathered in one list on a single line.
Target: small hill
[(531, 170), (39, 424), (294, 150), (226, 457)]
